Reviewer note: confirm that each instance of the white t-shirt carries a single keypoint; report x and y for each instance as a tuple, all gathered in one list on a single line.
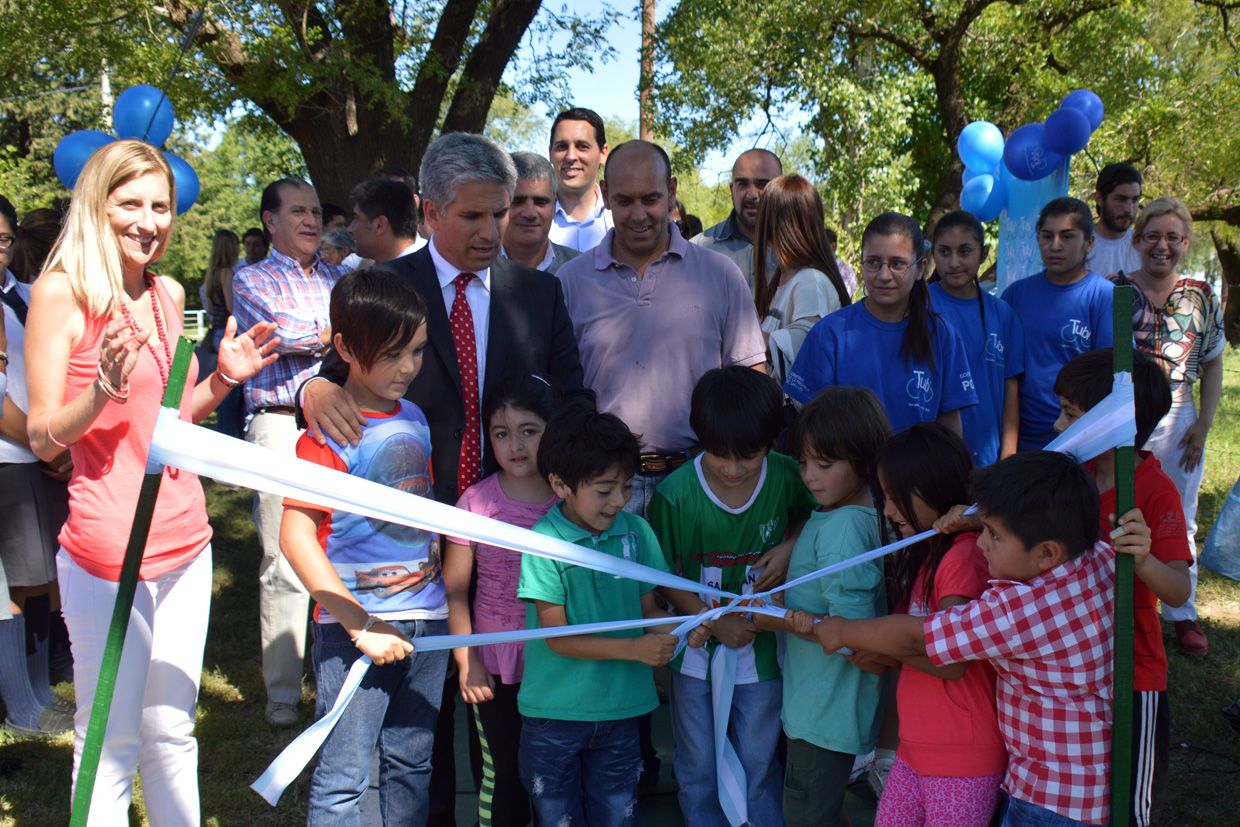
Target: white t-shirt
[(1112, 255), (808, 294)]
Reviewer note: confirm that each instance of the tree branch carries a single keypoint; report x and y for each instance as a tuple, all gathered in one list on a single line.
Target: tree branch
[(873, 31), (485, 65), (1055, 24)]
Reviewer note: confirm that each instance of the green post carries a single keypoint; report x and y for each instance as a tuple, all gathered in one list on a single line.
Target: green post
[(98, 725), (1125, 500)]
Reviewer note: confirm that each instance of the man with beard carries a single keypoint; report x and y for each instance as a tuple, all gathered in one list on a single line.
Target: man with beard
[(734, 235), (1118, 199), (529, 218)]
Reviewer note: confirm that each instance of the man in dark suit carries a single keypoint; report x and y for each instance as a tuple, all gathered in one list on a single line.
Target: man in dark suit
[(487, 317), (520, 324)]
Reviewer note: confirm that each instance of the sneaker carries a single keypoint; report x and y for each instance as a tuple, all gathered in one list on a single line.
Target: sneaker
[(51, 723), (884, 760), (282, 714), (1191, 639), (63, 704)]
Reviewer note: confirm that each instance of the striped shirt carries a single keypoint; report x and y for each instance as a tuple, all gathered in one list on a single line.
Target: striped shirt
[(278, 290)]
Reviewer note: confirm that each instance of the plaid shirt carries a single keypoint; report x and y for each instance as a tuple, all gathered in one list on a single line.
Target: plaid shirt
[(1050, 641), (277, 289)]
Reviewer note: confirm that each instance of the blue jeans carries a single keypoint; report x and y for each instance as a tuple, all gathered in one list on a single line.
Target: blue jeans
[(643, 492), (754, 731), (582, 772), (395, 709), (1017, 813)]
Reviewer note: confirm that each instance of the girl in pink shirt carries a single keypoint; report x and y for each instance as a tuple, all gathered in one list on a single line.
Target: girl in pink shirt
[(951, 756), (516, 414)]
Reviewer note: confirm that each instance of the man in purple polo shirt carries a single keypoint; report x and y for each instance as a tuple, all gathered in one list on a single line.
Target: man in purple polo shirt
[(652, 313)]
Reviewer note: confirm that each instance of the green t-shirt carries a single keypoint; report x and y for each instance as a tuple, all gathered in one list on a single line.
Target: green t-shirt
[(717, 546), (828, 701), (570, 689)]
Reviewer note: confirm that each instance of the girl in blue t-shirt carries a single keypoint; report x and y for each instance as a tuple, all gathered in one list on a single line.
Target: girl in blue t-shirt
[(1065, 310), (890, 341), (994, 340)]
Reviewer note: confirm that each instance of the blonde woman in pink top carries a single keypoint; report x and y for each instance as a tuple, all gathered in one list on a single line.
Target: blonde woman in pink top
[(106, 330)]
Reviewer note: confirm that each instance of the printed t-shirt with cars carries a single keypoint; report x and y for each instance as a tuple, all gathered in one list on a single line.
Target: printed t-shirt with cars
[(852, 347), (394, 571), (571, 689), (717, 545)]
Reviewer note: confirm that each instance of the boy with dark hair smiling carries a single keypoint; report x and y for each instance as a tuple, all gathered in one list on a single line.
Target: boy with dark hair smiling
[(581, 695), (377, 585), (1161, 573), (720, 519), (1045, 624)]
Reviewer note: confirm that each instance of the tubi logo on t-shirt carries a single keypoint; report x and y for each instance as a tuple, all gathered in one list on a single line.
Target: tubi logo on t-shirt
[(994, 350), (1075, 335), (920, 389)]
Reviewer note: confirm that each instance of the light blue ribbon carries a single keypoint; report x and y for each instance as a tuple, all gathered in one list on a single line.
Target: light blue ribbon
[(205, 452)]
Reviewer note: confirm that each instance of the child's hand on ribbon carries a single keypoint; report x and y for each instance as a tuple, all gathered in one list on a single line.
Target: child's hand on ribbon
[(829, 631), (384, 643), (1131, 536), (956, 520), (801, 622), (699, 636), (775, 561), (734, 630), (654, 648)]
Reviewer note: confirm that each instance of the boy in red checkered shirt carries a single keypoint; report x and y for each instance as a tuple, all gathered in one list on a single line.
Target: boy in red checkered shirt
[(1045, 624), (1161, 574)]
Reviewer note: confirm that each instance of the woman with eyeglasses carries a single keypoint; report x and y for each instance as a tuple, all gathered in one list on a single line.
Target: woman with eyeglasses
[(891, 341), (805, 285), (1179, 321)]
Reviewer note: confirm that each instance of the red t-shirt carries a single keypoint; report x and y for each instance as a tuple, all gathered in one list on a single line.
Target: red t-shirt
[(1160, 504), (951, 728)]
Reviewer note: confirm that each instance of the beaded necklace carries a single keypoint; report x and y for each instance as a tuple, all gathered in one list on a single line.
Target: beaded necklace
[(166, 365)]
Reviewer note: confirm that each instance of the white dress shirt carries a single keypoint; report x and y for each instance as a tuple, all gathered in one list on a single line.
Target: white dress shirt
[(477, 293)]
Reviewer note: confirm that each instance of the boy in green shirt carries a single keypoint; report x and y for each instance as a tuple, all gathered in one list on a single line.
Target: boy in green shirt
[(720, 520), (581, 695)]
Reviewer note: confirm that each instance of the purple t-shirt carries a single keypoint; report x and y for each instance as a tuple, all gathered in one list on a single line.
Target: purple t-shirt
[(646, 340), (496, 607)]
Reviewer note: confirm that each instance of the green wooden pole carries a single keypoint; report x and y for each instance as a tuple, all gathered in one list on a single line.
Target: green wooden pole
[(95, 730), (1125, 500)]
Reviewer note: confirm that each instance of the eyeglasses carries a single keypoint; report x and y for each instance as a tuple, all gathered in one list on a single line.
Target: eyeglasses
[(1172, 238), (6, 241), (896, 266)]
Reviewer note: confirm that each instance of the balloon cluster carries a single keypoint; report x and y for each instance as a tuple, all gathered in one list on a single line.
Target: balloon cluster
[(1030, 153), (141, 112)]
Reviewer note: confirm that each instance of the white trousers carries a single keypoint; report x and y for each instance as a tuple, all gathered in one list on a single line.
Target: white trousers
[(151, 721), (283, 602), (1164, 443)]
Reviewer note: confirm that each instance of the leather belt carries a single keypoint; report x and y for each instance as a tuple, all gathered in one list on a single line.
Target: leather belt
[(662, 463), (286, 410)]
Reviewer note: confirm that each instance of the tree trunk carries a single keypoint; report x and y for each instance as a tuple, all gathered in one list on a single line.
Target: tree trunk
[(950, 97), (1229, 263)]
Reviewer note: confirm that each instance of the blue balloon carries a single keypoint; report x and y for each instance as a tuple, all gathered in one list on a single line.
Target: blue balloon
[(980, 146), (74, 150), (1066, 131), (983, 196), (186, 181), (145, 113), (968, 175), (1087, 102), (1026, 154)]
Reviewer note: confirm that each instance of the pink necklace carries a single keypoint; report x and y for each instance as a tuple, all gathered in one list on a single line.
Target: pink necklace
[(166, 365)]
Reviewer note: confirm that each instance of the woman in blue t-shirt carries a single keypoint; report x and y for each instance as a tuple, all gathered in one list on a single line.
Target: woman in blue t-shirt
[(890, 341), (994, 340)]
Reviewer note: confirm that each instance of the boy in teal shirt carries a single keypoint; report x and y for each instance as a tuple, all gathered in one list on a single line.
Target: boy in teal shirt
[(721, 520), (581, 695)]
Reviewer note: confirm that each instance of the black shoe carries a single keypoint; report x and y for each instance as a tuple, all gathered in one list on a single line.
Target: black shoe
[(51, 723)]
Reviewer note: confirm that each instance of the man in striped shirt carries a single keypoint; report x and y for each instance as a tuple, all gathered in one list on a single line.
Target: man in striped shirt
[(292, 287)]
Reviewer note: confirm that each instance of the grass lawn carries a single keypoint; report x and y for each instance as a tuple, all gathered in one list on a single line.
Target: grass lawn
[(235, 744)]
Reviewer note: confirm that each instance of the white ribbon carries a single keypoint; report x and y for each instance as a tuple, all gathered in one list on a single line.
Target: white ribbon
[(1107, 425)]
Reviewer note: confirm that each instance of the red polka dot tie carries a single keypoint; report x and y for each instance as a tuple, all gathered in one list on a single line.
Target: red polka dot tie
[(470, 469)]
